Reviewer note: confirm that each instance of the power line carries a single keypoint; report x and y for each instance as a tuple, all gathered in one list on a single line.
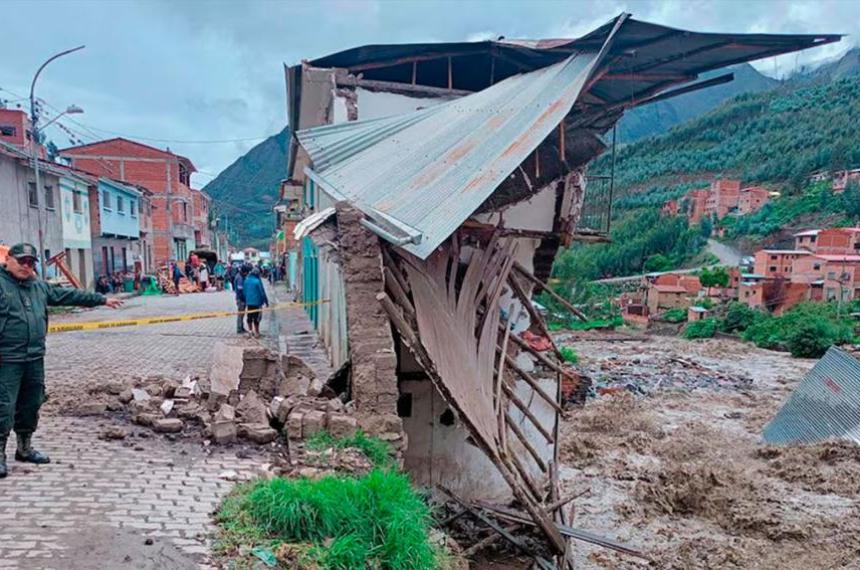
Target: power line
[(96, 136)]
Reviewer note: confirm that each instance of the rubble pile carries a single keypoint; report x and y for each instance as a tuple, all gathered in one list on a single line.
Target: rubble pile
[(649, 373), (251, 395)]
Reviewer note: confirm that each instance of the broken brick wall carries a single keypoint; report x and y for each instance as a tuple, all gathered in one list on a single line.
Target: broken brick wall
[(371, 344)]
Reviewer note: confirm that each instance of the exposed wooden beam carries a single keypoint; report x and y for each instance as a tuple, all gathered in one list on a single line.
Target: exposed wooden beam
[(395, 87), (408, 59), (647, 77)]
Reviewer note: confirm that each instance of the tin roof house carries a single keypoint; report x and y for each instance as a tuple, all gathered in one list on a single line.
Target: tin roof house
[(438, 182)]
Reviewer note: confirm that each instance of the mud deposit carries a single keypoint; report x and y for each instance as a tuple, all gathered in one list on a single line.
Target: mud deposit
[(682, 473)]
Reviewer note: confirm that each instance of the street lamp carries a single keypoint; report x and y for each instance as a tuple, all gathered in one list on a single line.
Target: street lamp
[(34, 145), (70, 110)]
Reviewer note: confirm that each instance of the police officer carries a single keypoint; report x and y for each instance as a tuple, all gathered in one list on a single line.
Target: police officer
[(24, 302)]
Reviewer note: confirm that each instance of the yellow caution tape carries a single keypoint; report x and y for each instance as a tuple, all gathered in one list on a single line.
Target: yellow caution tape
[(96, 325)]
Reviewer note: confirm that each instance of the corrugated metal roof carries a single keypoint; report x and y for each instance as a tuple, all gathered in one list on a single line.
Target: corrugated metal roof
[(430, 170), (825, 405)]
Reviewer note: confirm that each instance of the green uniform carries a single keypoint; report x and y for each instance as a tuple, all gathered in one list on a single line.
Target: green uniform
[(23, 326)]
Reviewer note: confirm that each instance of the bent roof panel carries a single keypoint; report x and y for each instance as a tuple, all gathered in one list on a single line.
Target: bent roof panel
[(430, 170)]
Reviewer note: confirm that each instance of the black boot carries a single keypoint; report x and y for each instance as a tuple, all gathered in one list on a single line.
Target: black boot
[(28, 454), (3, 470)]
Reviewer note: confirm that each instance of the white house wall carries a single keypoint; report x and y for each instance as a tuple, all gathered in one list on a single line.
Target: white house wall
[(441, 455)]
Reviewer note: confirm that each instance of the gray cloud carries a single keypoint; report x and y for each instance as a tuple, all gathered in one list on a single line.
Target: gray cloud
[(197, 70)]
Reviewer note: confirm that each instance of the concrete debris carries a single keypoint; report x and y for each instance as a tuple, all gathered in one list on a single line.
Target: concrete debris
[(126, 396), (294, 385), (226, 413), (113, 432), (227, 365), (167, 407), (168, 388), (229, 475), (154, 389), (258, 433), (91, 409), (251, 409), (294, 425), (145, 419), (139, 395), (313, 422), (275, 405), (342, 425), (223, 432), (168, 425), (316, 387)]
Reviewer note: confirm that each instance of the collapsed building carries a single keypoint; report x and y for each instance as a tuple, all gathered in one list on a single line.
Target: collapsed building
[(430, 187)]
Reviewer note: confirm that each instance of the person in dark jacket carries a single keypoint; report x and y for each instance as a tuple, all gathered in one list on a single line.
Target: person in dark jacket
[(24, 302), (177, 277), (239, 289), (255, 299)]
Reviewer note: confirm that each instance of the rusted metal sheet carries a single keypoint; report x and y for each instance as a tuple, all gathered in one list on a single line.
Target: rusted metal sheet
[(825, 405), (430, 170)]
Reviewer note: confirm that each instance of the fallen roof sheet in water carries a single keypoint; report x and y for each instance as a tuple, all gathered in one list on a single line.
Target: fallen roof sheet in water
[(826, 404)]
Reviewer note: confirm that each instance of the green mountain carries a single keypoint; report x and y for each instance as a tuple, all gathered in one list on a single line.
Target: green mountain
[(247, 190), (775, 138), (657, 118), (782, 135)]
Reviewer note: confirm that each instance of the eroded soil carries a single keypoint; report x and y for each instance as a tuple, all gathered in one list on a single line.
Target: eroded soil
[(682, 474)]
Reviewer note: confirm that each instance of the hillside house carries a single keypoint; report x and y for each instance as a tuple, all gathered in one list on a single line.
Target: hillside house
[(751, 199), (842, 178), (661, 298), (723, 197), (806, 240), (696, 204), (438, 181), (165, 174), (777, 263)]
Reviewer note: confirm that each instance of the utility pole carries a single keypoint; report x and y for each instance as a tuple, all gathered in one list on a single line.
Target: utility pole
[(34, 152)]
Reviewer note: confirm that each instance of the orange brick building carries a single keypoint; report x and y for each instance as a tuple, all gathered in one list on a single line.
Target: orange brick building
[(697, 203), (777, 263), (165, 174), (723, 197), (751, 199)]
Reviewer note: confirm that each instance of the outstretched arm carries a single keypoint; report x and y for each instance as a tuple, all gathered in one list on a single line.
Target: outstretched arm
[(57, 295)]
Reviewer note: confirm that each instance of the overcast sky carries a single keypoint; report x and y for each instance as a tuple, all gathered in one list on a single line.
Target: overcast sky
[(194, 70)]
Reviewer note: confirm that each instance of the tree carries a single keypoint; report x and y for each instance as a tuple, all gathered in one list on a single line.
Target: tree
[(657, 262), (851, 198), (717, 277)]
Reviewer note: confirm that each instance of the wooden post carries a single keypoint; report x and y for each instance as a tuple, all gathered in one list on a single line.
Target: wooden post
[(414, 72), (527, 413), (535, 317), (526, 443), (531, 381), (450, 73), (528, 275)]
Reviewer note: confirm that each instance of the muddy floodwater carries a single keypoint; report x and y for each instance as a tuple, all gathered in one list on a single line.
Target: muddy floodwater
[(673, 463)]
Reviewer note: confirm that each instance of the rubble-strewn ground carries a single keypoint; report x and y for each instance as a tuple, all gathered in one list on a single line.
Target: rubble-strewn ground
[(681, 472), (118, 495)]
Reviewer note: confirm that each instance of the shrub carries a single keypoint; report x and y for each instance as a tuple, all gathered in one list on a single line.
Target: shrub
[(812, 338), (676, 315), (738, 317), (704, 328), (569, 354)]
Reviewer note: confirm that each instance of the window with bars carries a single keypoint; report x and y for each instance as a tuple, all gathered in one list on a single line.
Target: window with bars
[(32, 194)]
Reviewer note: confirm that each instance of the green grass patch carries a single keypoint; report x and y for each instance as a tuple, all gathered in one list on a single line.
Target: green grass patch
[(569, 354), (340, 522), (376, 450)]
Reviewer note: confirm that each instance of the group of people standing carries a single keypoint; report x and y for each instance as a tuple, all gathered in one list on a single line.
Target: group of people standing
[(250, 297), (201, 274)]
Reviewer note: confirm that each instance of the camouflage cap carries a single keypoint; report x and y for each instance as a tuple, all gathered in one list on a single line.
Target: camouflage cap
[(22, 250)]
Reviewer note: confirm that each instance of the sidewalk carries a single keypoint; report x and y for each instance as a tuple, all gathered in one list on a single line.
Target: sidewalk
[(298, 333)]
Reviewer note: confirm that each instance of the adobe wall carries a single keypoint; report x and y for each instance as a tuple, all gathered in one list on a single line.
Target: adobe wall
[(371, 344)]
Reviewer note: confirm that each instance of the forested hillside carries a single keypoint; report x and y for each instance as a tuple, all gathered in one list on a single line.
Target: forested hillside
[(776, 138), (782, 135), (657, 118), (247, 190)]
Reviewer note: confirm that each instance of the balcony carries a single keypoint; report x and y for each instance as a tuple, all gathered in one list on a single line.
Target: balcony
[(596, 207)]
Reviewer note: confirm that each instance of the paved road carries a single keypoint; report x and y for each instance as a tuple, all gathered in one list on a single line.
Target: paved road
[(727, 255), (121, 492)]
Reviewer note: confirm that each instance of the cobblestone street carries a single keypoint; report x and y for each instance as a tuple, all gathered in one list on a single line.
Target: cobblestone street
[(100, 503)]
